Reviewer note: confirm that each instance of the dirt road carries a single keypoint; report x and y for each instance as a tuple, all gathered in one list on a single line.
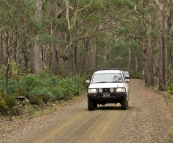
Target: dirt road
[(148, 120)]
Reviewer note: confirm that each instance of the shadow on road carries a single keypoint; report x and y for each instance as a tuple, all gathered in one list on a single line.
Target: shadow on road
[(108, 108)]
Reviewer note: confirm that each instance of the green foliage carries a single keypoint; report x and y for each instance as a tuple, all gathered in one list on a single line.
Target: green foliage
[(3, 104), (39, 89), (170, 136), (93, 17), (8, 105), (30, 82), (170, 89), (2, 80), (10, 100), (31, 112), (118, 58), (153, 33), (16, 111), (46, 38), (121, 30), (38, 96), (138, 75), (155, 50), (13, 86)]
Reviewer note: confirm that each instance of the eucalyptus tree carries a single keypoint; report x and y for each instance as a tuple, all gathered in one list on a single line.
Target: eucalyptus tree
[(83, 22), (135, 22), (37, 48), (162, 40), (170, 43), (15, 32)]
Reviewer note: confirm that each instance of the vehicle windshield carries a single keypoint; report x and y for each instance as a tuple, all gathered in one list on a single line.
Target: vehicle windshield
[(107, 78)]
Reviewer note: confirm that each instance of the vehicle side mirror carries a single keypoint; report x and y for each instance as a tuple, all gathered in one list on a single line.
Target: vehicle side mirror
[(127, 80), (87, 81), (127, 77)]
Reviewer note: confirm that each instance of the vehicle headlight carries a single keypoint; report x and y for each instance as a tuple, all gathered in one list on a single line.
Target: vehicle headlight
[(111, 89), (100, 90), (121, 90), (92, 90)]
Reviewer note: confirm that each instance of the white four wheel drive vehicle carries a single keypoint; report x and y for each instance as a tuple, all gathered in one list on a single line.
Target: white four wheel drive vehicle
[(108, 86), (126, 75)]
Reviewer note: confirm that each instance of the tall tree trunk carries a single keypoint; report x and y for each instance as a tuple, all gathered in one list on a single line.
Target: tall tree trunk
[(85, 61), (104, 55), (37, 47), (129, 59), (76, 55), (162, 42), (56, 50), (70, 43), (93, 55), (149, 60), (1, 50), (136, 64), (144, 49), (7, 54)]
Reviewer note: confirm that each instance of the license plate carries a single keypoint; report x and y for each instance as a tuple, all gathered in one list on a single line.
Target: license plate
[(106, 95)]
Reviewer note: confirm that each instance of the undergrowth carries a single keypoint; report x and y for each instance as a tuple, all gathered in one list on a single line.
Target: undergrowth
[(40, 89)]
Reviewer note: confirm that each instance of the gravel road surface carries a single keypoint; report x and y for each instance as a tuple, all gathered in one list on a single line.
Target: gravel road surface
[(148, 120)]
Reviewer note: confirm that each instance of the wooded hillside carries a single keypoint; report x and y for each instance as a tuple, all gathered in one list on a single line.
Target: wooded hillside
[(74, 37)]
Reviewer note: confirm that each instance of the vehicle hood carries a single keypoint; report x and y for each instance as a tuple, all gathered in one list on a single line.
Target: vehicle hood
[(106, 85)]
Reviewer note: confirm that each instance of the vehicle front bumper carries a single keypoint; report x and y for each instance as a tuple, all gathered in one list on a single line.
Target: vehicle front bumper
[(107, 97)]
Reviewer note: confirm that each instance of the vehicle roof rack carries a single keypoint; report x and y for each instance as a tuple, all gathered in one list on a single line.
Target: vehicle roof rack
[(109, 69)]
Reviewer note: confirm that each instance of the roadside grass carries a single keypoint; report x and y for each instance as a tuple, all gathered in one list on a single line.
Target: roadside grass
[(170, 136), (56, 106), (168, 95)]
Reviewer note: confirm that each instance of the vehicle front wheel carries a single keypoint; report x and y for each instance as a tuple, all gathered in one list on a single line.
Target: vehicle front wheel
[(124, 103), (90, 104)]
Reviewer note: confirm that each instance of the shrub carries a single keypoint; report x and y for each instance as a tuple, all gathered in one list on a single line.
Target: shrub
[(16, 111), (35, 96), (44, 74), (10, 101), (80, 83), (38, 96), (13, 86), (3, 105), (138, 75), (2, 81), (58, 93), (31, 112), (39, 89), (30, 82), (68, 88), (170, 89)]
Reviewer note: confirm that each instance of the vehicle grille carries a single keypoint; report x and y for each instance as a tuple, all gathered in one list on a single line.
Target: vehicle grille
[(106, 89)]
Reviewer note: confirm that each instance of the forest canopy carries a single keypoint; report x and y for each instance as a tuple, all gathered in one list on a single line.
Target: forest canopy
[(74, 37)]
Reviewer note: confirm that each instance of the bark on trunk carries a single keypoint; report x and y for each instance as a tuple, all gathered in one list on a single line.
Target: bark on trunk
[(93, 55), (70, 43), (129, 59), (1, 50), (6, 79), (76, 55), (55, 66), (144, 48), (150, 63), (136, 64), (162, 43), (85, 61), (37, 47)]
